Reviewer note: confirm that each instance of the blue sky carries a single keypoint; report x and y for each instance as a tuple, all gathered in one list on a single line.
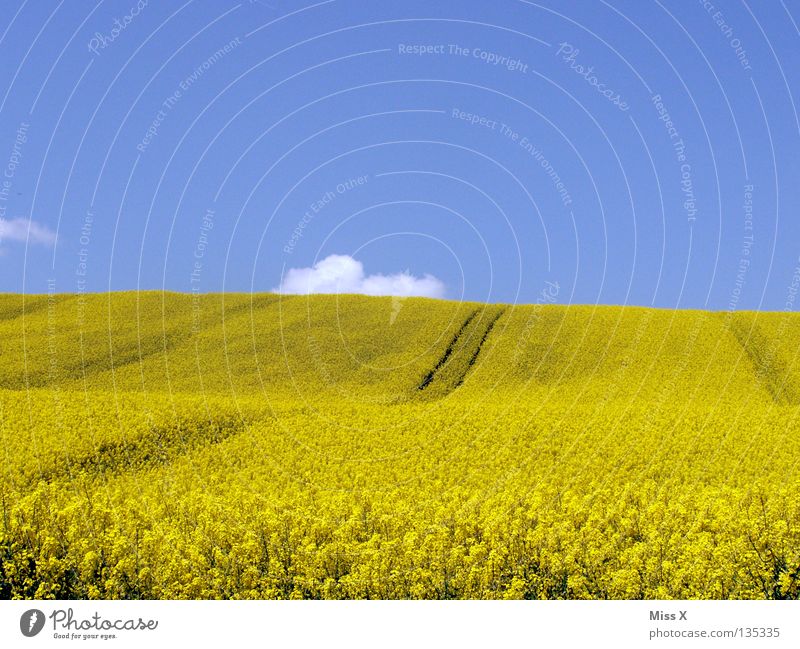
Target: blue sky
[(629, 152)]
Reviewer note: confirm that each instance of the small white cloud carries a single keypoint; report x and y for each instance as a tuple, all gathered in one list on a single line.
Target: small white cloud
[(343, 274), (24, 230)]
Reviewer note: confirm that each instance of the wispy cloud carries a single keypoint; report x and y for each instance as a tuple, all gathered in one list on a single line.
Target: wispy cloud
[(343, 274), (22, 230)]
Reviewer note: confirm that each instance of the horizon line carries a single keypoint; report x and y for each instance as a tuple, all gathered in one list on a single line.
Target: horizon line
[(404, 297)]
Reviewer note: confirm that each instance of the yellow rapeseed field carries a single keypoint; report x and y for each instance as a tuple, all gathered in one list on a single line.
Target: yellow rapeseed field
[(159, 445)]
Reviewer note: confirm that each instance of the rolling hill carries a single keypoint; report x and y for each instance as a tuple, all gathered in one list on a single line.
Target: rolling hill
[(163, 445), (384, 349)]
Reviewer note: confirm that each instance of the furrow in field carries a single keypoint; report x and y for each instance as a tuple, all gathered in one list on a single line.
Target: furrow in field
[(460, 356), (768, 366), (158, 447)]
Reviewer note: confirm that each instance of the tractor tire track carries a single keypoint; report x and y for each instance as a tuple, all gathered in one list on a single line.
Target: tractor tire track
[(460, 355), (769, 369)]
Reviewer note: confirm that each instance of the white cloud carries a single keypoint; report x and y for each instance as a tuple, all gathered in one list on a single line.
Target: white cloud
[(24, 230), (343, 274)]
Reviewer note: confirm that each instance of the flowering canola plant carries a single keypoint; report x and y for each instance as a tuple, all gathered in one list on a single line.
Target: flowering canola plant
[(161, 445)]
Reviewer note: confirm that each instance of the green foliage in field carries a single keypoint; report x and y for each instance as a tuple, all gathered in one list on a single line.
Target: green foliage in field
[(170, 446)]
